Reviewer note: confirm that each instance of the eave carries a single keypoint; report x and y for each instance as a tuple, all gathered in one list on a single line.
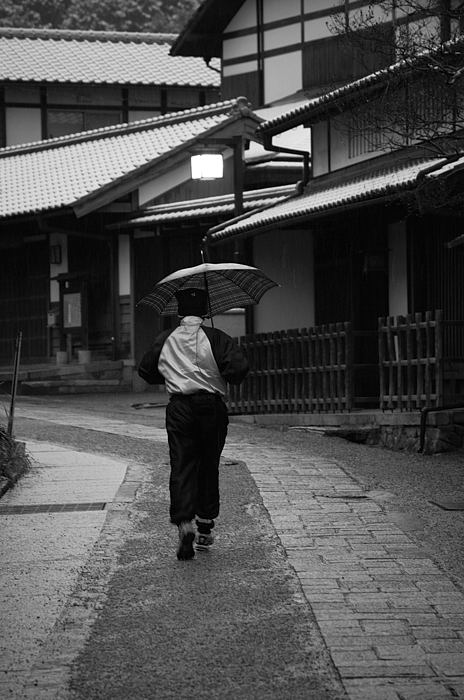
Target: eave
[(202, 35), (160, 166), (328, 198), (354, 93)]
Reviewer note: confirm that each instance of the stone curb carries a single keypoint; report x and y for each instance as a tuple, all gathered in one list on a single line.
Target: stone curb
[(51, 671)]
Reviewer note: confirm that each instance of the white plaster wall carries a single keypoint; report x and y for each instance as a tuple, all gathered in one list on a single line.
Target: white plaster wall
[(287, 257), (23, 125), (240, 68), (380, 13), (316, 29), (283, 75), (320, 148), (397, 270), (154, 188), (242, 46), (319, 27), (124, 266), (338, 145), (275, 10), (318, 5), (281, 37), (244, 18), (60, 239), (423, 31)]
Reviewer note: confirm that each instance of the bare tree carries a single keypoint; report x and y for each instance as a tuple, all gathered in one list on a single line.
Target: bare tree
[(417, 96)]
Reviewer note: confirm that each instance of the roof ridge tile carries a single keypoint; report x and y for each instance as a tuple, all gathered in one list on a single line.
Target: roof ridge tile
[(126, 128), (87, 35)]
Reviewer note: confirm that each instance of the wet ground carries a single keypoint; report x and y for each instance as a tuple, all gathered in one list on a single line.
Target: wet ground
[(330, 563)]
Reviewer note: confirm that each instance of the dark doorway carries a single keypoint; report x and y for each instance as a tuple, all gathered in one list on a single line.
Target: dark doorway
[(148, 269), (351, 284), (24, 298), (92, 257), (156, 256)]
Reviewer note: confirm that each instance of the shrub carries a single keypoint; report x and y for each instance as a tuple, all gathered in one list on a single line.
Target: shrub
[(14, 461)]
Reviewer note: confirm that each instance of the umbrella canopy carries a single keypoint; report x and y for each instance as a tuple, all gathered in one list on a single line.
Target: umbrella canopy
[(229, 285)]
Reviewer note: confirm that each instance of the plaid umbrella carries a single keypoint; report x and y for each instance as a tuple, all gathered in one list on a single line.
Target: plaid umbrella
[(229, 285)]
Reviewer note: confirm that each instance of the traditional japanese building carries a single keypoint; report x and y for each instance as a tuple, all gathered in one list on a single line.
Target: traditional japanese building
[(380, 228), (362, 236)]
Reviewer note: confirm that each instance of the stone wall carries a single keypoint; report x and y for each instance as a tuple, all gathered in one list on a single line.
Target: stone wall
[(444, 433)]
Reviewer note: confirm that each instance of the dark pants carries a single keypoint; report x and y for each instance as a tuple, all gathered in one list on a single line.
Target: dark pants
[(197, 427)]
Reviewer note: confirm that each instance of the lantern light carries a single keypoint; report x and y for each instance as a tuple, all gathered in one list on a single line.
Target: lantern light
[(207, 166)]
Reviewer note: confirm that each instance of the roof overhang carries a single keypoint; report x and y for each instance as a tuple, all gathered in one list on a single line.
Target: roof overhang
[(208, 207), (92, 171), (202, 35), (221, 136), (443, 191), (320, 199)]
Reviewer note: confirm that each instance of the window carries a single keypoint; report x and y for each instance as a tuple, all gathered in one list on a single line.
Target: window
[(365, 132), (63, 122), (341, 58)]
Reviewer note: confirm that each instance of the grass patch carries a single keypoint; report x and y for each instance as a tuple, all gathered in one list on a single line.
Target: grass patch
[(14, 461)]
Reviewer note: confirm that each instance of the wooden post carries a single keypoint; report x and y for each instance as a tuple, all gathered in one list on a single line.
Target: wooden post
[(439, 357), (14, 385), (411, 385), (381, 365), (430, 356), (349, 365), (340, 360), (400, 322), (420, 361), (393, 354)]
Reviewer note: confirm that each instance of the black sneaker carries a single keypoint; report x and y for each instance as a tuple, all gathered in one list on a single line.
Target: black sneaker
[(185, 549)]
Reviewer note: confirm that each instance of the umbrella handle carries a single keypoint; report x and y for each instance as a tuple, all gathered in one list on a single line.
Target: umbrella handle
[(209, 301)]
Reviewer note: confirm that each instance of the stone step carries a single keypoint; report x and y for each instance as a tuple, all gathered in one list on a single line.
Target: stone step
[(51, 370), (72, 386)]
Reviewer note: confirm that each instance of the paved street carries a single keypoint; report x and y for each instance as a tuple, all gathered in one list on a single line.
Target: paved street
[(314, 588)]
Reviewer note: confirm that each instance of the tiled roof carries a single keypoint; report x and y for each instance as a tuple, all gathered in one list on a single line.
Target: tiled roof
[(318, 199), (122, 58), (63, 172), (311, 111), (452, 165), (197, 208)]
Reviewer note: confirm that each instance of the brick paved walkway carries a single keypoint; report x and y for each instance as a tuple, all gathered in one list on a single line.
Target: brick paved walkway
[(392, 620)]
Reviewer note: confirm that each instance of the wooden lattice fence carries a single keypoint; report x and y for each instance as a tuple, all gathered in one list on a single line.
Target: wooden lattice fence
[(411, 361), (297, 371), (420, 365)]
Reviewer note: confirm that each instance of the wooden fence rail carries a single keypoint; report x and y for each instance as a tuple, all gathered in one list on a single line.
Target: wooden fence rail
[(296, 371), (411, 361), (331, 368)]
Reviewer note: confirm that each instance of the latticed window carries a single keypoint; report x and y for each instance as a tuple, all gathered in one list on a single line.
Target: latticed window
[(364, 133), (61, 122), (432, 108), (407, 113)]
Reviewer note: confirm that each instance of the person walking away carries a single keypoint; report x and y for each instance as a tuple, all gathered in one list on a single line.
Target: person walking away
[(196, 363)]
